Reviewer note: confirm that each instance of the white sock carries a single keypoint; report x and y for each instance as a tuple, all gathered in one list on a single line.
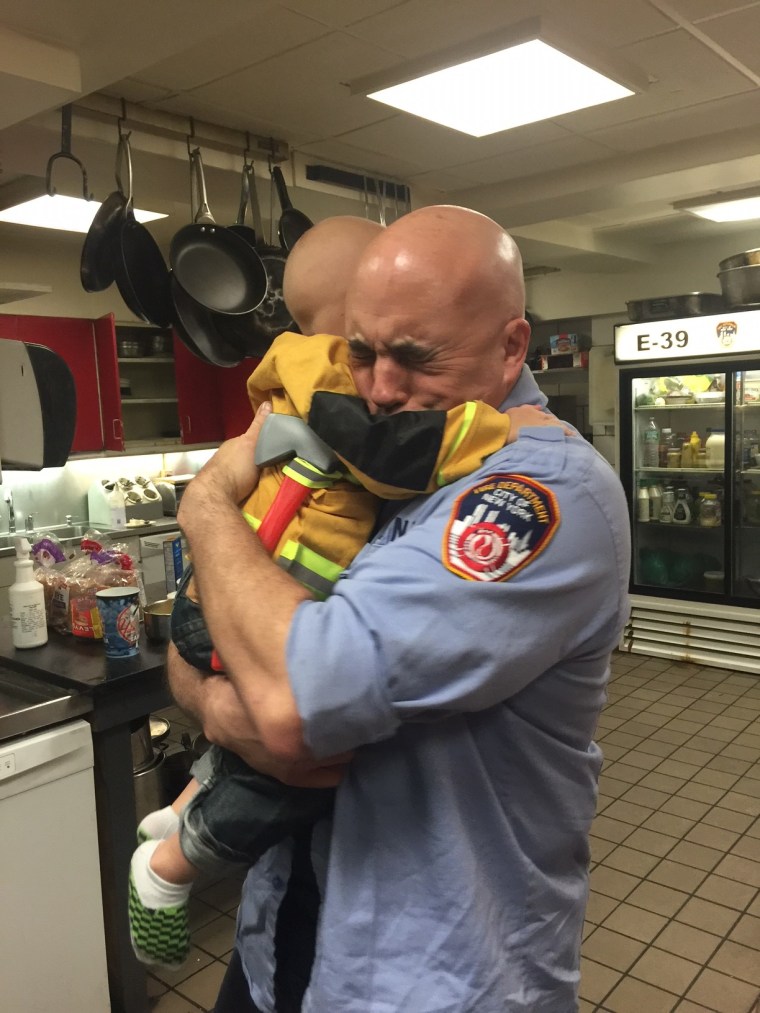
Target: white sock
[(159, 824), (153, 891)]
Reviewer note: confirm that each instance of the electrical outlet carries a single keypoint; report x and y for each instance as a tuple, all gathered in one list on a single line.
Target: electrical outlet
[(7, 765)]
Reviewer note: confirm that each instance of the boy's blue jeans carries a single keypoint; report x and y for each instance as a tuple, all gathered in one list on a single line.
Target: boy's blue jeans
[(238, 813)]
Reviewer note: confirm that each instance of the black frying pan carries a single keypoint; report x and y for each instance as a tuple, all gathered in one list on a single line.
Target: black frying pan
[(197, 329), (214, 266), (138, 265), (293, 223), (96, 263)]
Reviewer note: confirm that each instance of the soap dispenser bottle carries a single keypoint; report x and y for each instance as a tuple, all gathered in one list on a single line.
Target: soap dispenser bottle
[(27, 600)]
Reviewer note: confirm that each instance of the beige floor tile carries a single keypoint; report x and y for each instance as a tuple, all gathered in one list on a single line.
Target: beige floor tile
[(612, 883), (701, 792), (654, 747), (687, 1006), (719, 838), (696, 855), (724, 721), (676, 769), (155, 986), (747, 786), (704, 914), (716, 778), (650, 841), (624, 771), (217, 937), (611, 751), (596, 980), (749, 804), (686, 941), (665, 970), (619, 738), (676, 875), (197, 960), (727, 892), (747, 932), (611, 787), (721, 993), (754, 829), (727, 819), (648, 717), (747, 847), (637, 863), (200, 913), (741, 869), (635, 922), (687, 754), (737, 960), (600, 849), (586, 1007), (613, 949), (685, 807), (648, 797), (668, 735), (666, 823), (663, 782), (224, 896), (740, 752), (628, 812), (203, 987), (632, 996), (660, 899), (611, 830), (170, 1002)]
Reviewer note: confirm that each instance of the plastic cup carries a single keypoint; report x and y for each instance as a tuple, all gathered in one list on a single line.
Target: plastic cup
[(119, 609)]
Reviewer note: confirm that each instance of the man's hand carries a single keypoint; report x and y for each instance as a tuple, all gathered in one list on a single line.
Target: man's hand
[(526, 415), (230, 475)]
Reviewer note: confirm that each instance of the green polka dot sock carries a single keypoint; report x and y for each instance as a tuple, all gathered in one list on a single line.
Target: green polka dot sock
[(157, 825), (158, 913)]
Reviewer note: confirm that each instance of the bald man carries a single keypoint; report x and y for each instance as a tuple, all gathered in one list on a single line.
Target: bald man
[(451, 684)]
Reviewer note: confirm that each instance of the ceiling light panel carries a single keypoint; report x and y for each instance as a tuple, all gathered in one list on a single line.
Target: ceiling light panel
[(67, 214)]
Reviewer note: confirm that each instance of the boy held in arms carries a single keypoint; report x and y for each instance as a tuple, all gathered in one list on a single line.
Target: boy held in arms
[(229, 814)]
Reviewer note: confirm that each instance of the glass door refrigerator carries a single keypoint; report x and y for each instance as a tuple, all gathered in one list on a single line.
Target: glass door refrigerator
[(690, 465)]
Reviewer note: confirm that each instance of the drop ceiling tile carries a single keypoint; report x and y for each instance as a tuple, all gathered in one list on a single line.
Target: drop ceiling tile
[(733, 112), (431, 146), (303, 89), (338, 13), (683, 73), (186, 105), (737, 33), (441, 181), (132, 90), (255, 40), (571, 151), (693, 10)]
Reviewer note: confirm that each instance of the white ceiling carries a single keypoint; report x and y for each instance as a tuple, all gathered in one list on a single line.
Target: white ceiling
[(592, 190)]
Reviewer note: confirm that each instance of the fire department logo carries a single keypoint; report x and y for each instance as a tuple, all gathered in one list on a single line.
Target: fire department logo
[(726, 331), (498, 526)]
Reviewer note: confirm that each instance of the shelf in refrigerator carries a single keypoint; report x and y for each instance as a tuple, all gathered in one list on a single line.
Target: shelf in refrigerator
[(675, 525), (677, 407), (682, 471)]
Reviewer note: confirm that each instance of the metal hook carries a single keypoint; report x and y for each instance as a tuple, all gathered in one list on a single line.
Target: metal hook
[(122, 119), (191, 136), (65, 152)]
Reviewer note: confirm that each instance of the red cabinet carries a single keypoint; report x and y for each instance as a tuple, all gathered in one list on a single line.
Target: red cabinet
[(164, 397)]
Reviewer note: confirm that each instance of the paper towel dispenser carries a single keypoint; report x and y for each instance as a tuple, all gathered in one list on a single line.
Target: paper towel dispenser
[(38, 407)]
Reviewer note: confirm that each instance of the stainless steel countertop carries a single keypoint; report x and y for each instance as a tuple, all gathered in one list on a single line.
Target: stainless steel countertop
[(28, 704), (7, 547)]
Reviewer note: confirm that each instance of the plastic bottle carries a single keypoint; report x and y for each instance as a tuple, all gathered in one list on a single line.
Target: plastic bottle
[(682, 509), (687, 460), (666, 441), (655, 501), (715, 446), (651, 449), (642, 503), (696, 446), (27, 600), (668, 505)]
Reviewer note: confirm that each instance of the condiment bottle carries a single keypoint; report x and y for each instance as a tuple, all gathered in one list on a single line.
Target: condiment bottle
[(655, 501), (715, 445), (709, 510), (674, 458), (687, 461), (682, 509), (667, 506), (702, 458), (642, 503), (696, 446), (27, 601)]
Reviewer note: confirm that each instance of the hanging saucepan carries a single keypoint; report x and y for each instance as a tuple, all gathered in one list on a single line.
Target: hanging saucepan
[(213, 265), (272, 316), (293, 223), (140, 271), (96, 264)]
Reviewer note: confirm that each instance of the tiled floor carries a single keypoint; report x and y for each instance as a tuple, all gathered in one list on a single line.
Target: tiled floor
[(673, 920)]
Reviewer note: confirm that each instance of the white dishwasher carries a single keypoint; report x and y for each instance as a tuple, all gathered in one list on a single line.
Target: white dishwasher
[(52, 947)]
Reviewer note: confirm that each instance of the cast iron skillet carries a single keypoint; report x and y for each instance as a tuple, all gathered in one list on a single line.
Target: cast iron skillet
[(293, 223), (198, 330), (215, 267), (96, 264)]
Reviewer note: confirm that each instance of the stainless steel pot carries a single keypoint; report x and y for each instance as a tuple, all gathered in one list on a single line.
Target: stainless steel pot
[(150, 790), (741, 285), (744, 259), (142, 745), (158, 621)]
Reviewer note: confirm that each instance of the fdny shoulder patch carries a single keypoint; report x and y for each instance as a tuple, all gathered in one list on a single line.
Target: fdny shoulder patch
[(498, 526)]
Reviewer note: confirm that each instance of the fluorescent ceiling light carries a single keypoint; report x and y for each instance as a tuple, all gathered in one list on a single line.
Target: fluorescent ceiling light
[(739, 206), (69, 214), (520, 84)]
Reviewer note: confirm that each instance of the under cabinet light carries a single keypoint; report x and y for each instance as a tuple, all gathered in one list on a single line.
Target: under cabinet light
[(68, 214), (495, 84), (736, 206)]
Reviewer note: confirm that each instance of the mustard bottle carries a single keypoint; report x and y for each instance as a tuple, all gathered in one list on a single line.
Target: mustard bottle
[(696, 446)]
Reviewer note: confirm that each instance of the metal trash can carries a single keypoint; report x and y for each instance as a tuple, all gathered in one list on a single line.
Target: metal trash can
[(147, 767)]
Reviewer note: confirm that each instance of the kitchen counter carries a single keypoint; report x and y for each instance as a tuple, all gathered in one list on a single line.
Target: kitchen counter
[(28, 705), (113, 696), (154, 527)]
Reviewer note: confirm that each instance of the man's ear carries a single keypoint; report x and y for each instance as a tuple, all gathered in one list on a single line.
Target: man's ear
[(516, 339)]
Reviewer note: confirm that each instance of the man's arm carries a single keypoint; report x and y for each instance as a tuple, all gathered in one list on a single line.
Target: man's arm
[(214, 701), (248, 601)]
